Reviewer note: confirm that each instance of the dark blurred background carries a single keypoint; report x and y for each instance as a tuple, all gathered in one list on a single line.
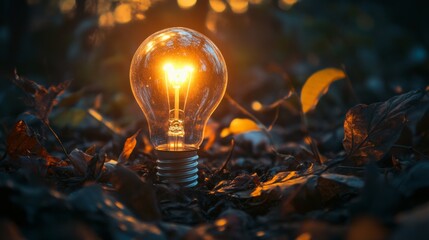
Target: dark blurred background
[(270, 46)]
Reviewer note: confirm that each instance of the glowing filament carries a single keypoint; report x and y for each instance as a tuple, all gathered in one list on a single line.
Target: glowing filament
[(176, 77)]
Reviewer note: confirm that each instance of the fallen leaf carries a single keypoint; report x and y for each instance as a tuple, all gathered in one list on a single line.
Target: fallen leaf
[(41, 99), (210, 134), (128, 148), (371, 130), (139, 196), (240, 125), (22, 142), (317, 85), (79, 160), (240, 183)]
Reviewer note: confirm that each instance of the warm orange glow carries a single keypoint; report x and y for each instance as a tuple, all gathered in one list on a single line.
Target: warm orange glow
[(165, 37), (239, 6), (211, 20), (255, 1), (221, 222), (122, 13), (256, 105), (103, 6), (286, 4), (304, 236), (106, 20), (66, 5), (177, 76), (140, 16), (217, 5), (185, 4), (143, 5)]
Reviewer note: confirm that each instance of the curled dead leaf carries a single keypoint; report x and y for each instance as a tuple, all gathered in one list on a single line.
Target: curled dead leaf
[(41, 99)]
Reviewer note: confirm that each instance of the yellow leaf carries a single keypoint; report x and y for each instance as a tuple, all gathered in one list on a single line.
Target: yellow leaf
[(241, 125), (225, 132), (317, 85)]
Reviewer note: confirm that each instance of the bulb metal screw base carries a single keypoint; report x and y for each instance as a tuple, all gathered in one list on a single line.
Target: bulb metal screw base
[(178, 167)]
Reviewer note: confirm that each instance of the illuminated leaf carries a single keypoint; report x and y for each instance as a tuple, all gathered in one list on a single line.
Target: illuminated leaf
[(129, 146), (371, 130), (210, 134), (240, 125), (317, 85), (22, 142)]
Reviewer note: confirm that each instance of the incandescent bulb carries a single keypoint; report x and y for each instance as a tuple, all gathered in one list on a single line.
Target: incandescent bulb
[(178, 77)]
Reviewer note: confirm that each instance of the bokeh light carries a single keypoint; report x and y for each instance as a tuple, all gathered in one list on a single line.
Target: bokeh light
[(256, 2), (239, 6), (185, 4), (122, 13), (66, 5), (144, 5), (256, 106), (217, 5), (106, 20)]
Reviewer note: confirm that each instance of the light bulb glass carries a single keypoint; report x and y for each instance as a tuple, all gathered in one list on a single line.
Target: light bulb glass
[(178, 77)]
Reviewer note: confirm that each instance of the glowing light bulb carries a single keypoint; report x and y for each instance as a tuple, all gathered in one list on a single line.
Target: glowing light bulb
[(178, 77)]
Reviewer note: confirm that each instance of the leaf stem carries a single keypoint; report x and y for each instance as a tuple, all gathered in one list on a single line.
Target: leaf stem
[(260, 125), (228, 157), (350, 86), (410, 148), (57, 138), (308, 139)]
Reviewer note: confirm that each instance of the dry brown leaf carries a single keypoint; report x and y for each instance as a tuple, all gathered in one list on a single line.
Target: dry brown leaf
[(21, 142), (41, 99), (371, 130)]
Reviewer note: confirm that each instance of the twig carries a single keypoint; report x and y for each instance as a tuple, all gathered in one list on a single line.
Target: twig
[(228, 157), (276, 117), (308, 139), (410, 148), (349, 85), (277, 103), (57, 138), (4, 155), (260, 124)]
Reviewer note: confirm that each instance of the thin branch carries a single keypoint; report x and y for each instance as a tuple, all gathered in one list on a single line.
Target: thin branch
[(350, 86), (260, 124), (57, 138), (228, 157), (410, 148), (308, 139), (276, 117), (277, 103), (4, 155)]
